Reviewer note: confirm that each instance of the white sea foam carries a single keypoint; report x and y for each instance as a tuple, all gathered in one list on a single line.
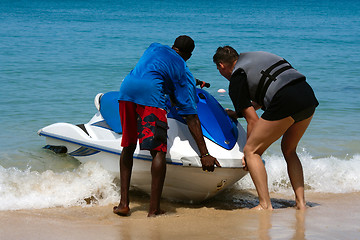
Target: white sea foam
[(323, 175), (30, 189), (90, 183)]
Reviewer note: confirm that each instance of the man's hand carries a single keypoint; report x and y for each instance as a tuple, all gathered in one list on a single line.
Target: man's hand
[(232, 114), (244, 164), (208, 163), (194, 126), (202, 83)]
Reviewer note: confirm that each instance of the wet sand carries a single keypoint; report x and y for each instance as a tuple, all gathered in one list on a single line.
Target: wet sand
[(329, 216)]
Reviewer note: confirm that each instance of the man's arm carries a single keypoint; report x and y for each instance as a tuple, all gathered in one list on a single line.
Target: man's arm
[(207, 160), (251, 118), (256, 105)]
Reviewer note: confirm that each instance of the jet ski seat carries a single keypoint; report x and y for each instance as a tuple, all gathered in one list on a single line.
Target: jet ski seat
[(109, 109)]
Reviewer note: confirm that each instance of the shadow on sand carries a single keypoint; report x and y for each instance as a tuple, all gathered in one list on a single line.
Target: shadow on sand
[(230, 199)]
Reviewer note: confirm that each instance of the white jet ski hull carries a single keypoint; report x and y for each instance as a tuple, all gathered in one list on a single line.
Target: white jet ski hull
[(185, 180)]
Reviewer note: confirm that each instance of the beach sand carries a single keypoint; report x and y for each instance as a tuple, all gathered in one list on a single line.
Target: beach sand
[(329, 216)]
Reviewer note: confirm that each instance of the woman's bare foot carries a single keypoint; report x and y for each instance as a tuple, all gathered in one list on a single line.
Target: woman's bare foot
[(156, 213), (121, 211)]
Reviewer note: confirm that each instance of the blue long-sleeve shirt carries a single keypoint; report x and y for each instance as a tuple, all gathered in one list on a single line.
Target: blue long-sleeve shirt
[(160, 71)]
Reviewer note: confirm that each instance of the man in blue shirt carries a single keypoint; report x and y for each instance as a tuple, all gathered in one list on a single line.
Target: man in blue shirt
[(160, 71)]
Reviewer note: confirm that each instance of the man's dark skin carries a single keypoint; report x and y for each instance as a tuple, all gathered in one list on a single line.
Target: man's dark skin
[(158, 166)]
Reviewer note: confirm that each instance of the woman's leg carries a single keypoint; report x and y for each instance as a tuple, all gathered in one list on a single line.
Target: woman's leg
[(289, 144), (262, 136)]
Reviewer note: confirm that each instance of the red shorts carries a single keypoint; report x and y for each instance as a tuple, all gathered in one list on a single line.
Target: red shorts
[(148, 124)]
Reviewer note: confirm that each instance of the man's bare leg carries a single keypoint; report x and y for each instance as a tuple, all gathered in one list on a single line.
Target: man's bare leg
[(158, 172), (259, 176), (289, 144), (262, 136), (126, 163)]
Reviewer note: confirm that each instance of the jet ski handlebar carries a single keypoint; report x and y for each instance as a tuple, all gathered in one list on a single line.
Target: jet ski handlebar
[(202, 83)]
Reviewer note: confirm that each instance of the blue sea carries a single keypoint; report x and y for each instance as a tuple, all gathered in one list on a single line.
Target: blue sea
[(56, 55)]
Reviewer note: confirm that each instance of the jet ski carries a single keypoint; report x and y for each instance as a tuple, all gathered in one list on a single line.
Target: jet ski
[(99, 140)]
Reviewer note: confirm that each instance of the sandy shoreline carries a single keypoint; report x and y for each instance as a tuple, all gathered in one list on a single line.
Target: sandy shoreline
[(331, 216)]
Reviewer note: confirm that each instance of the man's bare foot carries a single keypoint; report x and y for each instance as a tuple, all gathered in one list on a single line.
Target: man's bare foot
[(156, 213), (260, 207), (300, 207), (121, 211), (300, 204)]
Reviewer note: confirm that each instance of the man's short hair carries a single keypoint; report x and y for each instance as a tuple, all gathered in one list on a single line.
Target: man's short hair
[(225, 54), (184, 43)]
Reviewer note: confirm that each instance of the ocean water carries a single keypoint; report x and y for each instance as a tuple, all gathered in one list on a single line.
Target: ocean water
[(56, 55)]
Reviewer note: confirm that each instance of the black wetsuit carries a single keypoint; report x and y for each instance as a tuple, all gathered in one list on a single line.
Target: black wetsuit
[(297, 99)]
